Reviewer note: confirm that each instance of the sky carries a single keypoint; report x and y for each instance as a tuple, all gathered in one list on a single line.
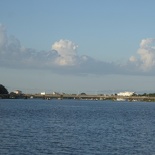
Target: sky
[(91, 46)]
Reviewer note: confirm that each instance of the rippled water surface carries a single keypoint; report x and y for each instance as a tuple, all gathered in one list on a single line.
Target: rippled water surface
[(76, 127)]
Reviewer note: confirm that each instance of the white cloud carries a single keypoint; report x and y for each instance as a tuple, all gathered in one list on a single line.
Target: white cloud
[(63, 58), (12, 54), (146, 62), (63, 53), (146, 42), (67, 52)]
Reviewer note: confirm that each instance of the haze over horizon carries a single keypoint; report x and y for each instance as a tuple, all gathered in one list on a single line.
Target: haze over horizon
[(77, 46)]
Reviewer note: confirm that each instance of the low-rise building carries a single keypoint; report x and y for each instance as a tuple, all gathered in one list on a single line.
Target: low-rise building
[(126, 93), (43, 93)]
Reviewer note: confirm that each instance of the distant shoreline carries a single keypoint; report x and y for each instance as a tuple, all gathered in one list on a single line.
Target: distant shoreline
[(80, 97)]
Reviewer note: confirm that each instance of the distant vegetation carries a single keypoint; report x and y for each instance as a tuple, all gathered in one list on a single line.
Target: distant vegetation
[(149, 95), (3, 90)]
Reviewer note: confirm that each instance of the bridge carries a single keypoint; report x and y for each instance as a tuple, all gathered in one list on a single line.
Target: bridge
[(90, 97)]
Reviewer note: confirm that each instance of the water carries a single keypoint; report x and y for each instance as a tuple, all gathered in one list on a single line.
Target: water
[(76, 127)]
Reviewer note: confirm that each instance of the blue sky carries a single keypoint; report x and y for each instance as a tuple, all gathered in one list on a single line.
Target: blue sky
[(75, 46)]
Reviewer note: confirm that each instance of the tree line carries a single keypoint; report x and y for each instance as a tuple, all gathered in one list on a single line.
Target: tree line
[(3, 90)]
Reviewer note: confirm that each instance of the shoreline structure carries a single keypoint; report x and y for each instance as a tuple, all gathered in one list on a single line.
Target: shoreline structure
[(81, 97)]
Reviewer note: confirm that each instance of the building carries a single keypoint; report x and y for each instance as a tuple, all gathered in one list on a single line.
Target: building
[(43, 93), (126, 93)]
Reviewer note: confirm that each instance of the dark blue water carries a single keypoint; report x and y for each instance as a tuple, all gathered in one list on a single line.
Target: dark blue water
[(72, 127)]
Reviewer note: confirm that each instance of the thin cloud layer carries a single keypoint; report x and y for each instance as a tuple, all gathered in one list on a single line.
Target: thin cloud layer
[(63, 58)]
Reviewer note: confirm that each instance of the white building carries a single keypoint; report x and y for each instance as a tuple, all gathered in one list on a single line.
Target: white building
[(42, 93), (126, 93)]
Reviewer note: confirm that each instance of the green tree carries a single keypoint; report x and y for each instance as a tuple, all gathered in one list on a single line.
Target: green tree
[(3, 90)]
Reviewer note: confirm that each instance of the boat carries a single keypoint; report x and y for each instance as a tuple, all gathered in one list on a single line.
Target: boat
[(120, 99)]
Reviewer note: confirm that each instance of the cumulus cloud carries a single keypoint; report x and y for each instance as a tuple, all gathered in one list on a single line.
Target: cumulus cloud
[(15, 55), (146, 53), (67, 52), (63, 57), (63, 53)]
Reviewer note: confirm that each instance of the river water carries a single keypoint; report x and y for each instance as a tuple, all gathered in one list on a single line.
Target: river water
[(76, 127)]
